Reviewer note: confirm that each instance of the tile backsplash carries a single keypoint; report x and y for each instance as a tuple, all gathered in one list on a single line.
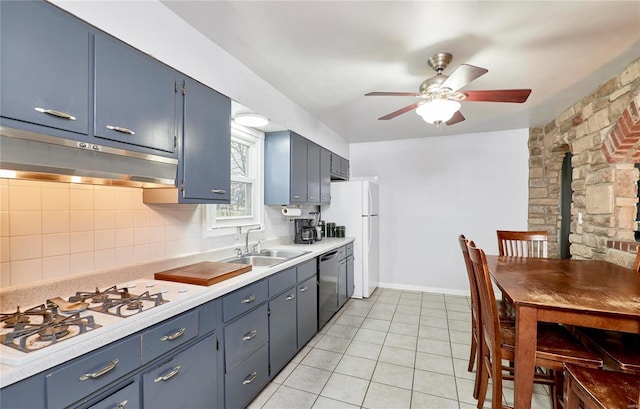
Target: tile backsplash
[(49, 230)]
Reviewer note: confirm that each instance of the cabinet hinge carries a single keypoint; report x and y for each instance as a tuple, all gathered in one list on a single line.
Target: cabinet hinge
[(184, 89), (175, 141), (182, 185), (269, 369), (268, 312), (217, 345), (175, 86)]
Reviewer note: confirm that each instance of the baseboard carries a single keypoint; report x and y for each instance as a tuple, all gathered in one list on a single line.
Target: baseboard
[(406, 287)]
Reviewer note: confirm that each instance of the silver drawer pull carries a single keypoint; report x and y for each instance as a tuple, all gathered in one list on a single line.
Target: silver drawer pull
[(111, 366), (173, 336), (296, 197), (250, 378), (122, 404), (55, 113), (249, 335), (303, 289), (121, 129), (249, 300), (219, 191), (168, 376), (290, 297)]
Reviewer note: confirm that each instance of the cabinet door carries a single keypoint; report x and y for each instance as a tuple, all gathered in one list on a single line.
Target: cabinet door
[(282, 330), (135, 97), (313, 173), (45, 66), (298, 169), (26, 394), (342, 282), (245, 335), (206, 144), (124, 398), (188, 380), (350, 284), (307, 308), (325, 176)]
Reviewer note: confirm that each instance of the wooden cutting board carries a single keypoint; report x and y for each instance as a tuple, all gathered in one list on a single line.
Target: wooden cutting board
[(204, 273)]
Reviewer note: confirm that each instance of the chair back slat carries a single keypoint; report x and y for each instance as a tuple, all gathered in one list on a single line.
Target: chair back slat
[(470, 275), (489, 320), (522, 243)]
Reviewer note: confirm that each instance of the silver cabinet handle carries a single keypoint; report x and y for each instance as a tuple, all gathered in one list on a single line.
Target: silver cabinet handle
[(120, 129), (111, 366), (249, 300), (303, 289), (55, 113), (219, 191), (250, 378), (249, 335), (296, 197), (290, 297), (168, 376), (311, 197), (122, 404), (173, 336)]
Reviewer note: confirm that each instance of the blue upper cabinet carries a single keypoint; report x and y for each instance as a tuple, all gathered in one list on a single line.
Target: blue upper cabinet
[(45, 66), (206, 145), (135, 97)]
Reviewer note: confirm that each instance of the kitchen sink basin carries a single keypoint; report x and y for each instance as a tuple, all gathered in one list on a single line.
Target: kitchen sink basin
[(258, 261), (288, 254), (266, 258)]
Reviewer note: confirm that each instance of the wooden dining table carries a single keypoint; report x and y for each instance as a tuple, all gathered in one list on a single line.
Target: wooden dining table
[(586, 293)]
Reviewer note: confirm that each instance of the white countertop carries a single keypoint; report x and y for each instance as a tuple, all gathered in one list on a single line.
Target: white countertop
[(97, 338)]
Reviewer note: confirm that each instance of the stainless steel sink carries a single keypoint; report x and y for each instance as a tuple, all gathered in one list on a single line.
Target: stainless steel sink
[(288, 254), (258, 261), (266, 258)]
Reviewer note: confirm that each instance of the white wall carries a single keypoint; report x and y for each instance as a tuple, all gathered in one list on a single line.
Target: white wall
[(434, 189), (151, 27)]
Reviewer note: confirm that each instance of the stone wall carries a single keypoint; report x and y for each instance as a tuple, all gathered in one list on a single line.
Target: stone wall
[(604, 181)]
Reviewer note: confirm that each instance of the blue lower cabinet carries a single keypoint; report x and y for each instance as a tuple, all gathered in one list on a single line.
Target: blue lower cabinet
[(307, 305), (244, 382), (123, 398), (282, 330), (186, 380)]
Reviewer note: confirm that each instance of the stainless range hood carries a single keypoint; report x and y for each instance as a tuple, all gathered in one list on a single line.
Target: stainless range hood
[(28, 155)]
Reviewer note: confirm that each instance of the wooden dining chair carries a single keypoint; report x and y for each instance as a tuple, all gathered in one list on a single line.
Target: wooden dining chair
[(505, 312), (522, 243), (590, 388), (636, 264), (555, 345)]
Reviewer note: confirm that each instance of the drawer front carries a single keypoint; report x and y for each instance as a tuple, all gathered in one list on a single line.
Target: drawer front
[(350, 249), (342, 252), (187, 380), (244, 299), (244, 383), (170, 334), (282, 281), (92, 372), (244, 336), (125, 398), (307, 270)]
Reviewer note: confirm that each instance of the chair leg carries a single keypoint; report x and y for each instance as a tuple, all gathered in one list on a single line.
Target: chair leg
[(483, 379), (496, 386)]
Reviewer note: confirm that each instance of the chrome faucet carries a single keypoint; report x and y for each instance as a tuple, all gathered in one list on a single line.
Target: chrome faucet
[(246, 243)]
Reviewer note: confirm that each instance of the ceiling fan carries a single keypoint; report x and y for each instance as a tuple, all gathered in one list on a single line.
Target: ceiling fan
[(439, 98)]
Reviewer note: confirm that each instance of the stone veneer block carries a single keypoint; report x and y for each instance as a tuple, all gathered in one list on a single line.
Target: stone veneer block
[(600, 199)]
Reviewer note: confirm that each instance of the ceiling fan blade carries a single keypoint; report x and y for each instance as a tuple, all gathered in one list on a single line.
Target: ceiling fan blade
[(463, 75), (399, 112), (457, 117), (499, 95), (392, 94)]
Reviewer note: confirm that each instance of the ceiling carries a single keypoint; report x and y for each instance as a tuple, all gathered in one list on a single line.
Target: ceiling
[(325, 55)]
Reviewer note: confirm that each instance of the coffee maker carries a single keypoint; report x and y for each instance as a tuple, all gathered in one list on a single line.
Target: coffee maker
[(305, 231)]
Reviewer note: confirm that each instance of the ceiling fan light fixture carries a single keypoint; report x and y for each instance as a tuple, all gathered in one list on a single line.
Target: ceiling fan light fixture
[(438, 110), (251, 120)]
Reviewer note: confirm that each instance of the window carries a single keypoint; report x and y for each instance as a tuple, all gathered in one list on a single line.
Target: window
[(246, 207)]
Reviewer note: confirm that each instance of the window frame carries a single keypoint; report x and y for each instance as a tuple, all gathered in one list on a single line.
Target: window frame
[(214, 226)]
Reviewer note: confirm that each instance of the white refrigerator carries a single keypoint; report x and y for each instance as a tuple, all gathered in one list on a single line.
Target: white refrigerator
[(354, 204)]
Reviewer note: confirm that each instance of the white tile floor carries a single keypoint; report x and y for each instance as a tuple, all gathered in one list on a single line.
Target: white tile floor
[(396, 349)]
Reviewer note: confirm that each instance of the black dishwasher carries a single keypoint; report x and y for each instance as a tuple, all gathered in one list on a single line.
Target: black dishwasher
[(328, 289)]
